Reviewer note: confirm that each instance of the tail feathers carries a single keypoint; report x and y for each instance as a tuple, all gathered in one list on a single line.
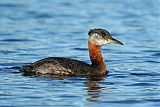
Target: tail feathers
[(26, 68)]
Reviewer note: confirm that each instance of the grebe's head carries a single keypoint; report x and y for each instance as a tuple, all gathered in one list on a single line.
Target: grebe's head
[(101, 36)]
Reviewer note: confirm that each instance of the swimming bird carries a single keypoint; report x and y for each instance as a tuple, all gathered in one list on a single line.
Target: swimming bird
[(70, 67)]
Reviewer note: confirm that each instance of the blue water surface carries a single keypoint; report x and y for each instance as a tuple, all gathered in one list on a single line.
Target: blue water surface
[(34, 29)]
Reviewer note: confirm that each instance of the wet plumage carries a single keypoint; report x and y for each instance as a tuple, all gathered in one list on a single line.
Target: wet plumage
[(59, 66)]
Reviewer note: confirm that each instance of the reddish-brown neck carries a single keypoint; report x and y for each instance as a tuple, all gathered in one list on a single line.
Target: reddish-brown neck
[(96, 57)]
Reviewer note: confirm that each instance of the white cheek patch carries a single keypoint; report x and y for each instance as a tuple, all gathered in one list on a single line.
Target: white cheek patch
[(98, 40), (101, 42), (109, 41)]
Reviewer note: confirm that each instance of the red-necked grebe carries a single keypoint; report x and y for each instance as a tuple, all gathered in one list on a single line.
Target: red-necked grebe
[(69, 67)]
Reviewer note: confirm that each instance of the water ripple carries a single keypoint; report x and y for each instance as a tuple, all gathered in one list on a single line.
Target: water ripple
[(16, 40), (142, 84), (10, 5), (34, 29)]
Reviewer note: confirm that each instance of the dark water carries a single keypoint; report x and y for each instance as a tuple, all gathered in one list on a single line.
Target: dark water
[(34, 29)]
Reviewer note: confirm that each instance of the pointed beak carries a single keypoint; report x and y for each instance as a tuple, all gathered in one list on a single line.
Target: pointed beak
[(114, 41)]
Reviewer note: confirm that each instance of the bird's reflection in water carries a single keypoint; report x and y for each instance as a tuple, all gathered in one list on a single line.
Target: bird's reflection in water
[(93, 88), (90, 84)]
